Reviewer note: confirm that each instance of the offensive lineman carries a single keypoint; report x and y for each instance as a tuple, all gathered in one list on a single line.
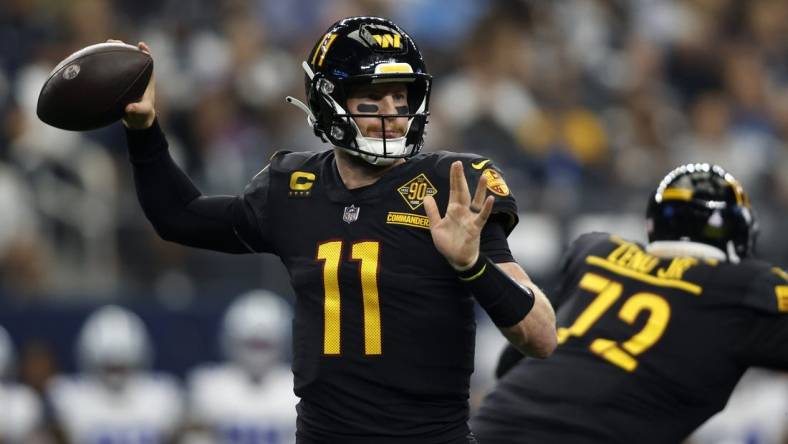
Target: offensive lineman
[(653, 339)]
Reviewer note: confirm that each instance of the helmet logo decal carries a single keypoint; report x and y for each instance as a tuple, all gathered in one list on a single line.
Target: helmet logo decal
[(322, 49), (386, 40), (378, 37), (415, 190)]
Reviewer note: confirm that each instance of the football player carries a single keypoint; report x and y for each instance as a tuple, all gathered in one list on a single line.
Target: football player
[(249, 399), (385, 284), (652, 339), (115, 400), (20, 408)]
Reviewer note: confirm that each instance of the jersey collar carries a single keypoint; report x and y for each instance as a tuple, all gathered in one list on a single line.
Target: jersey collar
[(685, 248)]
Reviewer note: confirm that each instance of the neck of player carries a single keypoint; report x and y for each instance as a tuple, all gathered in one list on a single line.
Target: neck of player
[(357, 173)]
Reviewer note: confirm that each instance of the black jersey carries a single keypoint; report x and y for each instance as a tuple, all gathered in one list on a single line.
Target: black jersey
[(649, 348), (384, 331)]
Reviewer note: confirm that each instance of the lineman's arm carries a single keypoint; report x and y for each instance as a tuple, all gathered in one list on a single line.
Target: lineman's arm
[(535, 334)]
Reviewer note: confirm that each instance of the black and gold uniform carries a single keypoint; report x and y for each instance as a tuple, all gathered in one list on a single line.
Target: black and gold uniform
[(649, 348), (652, 340), (383, 336)]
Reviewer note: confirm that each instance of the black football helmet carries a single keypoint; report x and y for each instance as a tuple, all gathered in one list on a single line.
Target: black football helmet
[(702, 203), (370, 50)]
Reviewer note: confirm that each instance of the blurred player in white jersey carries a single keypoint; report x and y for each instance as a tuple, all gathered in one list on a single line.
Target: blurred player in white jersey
[(115, 399), (248, 399), (20, 408), (756, 413)]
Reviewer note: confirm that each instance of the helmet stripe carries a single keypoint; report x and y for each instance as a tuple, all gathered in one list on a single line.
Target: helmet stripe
[(677, 194), (328, 39)]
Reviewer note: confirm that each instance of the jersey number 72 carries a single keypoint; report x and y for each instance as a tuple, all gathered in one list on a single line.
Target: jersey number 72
[(607, 292)]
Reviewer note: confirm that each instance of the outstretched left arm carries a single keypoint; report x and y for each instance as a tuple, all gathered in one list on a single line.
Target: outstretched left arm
[(515, 304)]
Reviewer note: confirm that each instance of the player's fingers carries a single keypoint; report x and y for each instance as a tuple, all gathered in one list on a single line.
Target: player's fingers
[(486, 210), (458, 186), (480, 194), (431, 208), (144, 47), (150, 90), (138, 108)]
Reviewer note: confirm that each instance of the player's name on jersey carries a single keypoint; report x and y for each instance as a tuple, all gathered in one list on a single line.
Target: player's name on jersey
[(629, 259), (410, 220)]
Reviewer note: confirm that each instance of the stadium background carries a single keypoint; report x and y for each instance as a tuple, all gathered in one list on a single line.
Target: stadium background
[(584, 104)]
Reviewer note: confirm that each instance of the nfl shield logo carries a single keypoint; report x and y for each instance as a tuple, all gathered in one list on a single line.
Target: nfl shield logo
[(351, 214)]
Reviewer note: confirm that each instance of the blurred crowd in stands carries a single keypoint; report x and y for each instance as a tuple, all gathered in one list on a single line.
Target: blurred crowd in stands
[(584, 104)]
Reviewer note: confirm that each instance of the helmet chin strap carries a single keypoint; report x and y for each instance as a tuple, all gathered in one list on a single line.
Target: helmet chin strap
[(732, 256)]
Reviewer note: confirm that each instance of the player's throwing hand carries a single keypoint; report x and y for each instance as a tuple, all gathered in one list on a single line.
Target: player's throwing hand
[(456, 235), (141, 114)]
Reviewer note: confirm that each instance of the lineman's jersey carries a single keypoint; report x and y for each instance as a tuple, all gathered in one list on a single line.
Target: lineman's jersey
[(383, 336), (236, 409), (649, 347), (20, 413), (148, 410)]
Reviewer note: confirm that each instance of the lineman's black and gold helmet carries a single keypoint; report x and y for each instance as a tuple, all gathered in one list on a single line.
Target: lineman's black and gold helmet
[(702, 203), (365, 50)]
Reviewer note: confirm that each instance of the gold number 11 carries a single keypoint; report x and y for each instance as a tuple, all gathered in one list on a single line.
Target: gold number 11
[(367, 253)]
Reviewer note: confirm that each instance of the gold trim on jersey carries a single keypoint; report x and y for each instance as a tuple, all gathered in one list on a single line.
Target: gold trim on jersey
[(407, 219), (644, 277), (780, 272), (782, 297)]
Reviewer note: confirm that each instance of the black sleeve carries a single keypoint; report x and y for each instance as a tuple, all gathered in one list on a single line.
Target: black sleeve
[(510, 356), (493, 241), (765, 341), (176, 208)]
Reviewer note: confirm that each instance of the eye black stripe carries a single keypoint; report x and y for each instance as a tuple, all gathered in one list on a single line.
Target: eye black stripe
[(367, 108)]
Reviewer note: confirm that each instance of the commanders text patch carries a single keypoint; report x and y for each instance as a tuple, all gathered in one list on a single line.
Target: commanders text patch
[(415, 190), (410, 220)]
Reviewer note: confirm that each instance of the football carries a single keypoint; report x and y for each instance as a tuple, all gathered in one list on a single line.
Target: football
[(91, 87)]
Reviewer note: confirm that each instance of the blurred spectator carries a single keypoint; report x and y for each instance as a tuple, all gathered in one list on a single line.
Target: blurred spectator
[(757, 413), (579, 101), (249, 398), (22, 415), (115, 399)]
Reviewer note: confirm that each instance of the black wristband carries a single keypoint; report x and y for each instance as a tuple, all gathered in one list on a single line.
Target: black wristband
[(505, 301)]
